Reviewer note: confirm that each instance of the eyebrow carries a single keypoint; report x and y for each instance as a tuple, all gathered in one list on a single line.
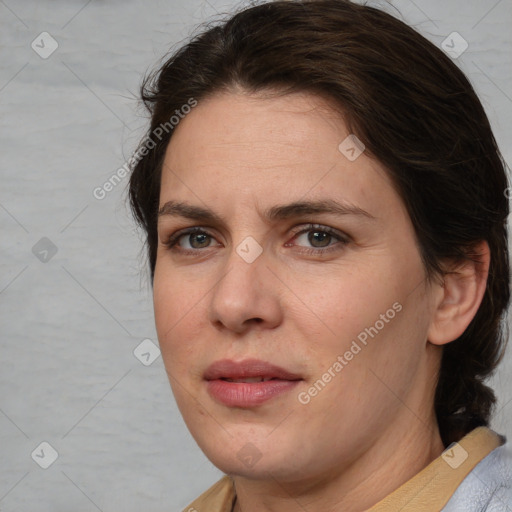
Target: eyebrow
[(278, 212)]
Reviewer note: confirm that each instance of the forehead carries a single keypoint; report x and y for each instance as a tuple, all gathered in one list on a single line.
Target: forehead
[(240, 147), (256, 126)]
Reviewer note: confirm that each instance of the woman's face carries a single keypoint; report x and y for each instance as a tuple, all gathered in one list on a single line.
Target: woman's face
[(275, 276)]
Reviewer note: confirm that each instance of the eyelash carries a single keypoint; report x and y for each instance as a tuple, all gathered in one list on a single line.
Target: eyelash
[(171, 242)]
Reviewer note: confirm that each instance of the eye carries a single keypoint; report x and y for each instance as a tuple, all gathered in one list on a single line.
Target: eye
[(321, 239), (317, 238), (196, 238)]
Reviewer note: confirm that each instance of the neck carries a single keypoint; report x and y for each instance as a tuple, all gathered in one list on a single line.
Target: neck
[(400, 452)]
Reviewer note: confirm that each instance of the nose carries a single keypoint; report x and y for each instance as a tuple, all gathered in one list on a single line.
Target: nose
[(247, 296)]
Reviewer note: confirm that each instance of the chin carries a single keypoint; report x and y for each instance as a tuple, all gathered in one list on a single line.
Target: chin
[(252, 465), (252, 457)]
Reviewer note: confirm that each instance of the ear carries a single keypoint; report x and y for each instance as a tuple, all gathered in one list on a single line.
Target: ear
[(460, 296)]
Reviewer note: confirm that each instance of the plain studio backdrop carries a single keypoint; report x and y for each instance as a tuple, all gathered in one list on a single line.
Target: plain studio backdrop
[(87, 419)]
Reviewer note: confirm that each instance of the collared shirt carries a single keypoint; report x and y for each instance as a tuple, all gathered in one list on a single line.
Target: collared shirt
[(428, 491)]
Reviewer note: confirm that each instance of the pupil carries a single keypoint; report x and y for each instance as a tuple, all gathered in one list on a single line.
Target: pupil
[(201, 238), (319, 236)]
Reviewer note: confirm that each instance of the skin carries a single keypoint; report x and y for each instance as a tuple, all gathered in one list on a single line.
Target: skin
[(373, 425)]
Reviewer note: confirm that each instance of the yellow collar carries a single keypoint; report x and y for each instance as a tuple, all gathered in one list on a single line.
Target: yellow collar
[(428, 490), (433, 486)]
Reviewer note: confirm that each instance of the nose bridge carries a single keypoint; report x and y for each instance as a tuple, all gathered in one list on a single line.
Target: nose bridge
[(242, 293), (244, 265)]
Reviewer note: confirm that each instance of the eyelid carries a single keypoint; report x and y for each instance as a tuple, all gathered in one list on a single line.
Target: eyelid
[(319, 227)]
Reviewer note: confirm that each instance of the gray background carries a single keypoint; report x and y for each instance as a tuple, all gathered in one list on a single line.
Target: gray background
[(68, 374)]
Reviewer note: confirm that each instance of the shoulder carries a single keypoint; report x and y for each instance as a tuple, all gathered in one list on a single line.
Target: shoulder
[(488, 487)]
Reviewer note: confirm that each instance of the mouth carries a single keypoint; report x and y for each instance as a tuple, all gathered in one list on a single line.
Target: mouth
[(247, 383), (247, 370), (250, 379)]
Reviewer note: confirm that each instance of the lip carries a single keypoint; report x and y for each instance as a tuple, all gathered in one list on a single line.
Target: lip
[(247, 368), (247, 394)]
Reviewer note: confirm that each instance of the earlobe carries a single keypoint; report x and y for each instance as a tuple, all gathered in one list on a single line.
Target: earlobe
[(459, 296)]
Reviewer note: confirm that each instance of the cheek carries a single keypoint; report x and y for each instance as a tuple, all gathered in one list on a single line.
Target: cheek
[(362, 383), (366, 316), (175, 307), (342, 304), (176, 298)]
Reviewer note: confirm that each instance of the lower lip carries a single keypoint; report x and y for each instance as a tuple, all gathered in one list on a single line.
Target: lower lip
[(248, 394)]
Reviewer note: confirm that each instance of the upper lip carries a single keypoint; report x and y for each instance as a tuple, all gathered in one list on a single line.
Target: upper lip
[(247, 368)]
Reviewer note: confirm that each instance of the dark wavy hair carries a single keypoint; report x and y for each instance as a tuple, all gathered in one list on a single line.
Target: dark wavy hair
[(416, 113)]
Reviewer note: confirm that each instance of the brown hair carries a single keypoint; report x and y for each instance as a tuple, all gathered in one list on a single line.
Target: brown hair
[(416, 113)]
